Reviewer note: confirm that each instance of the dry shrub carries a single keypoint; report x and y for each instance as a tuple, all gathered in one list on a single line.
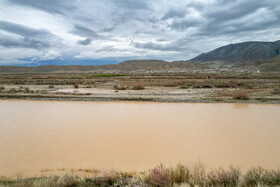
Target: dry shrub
[(221, 177), (272, 178), (275, 91), (12, 91), (120, 87), (206, 86), (160, 176), (76, 85), (51, 86), (138, 86), (240, 95), (180, 174), (26, 90), (254, 176), (198, 174), (173, 83)]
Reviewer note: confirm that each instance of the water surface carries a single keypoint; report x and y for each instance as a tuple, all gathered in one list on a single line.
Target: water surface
[(37, 135)]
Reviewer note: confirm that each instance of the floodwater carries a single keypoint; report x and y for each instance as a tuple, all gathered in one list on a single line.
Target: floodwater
[(37, 135)]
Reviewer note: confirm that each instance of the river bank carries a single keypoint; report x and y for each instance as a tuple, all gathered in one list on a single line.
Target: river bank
[(178, 176)]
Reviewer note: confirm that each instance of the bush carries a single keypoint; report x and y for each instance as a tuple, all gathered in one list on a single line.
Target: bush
[(2, 87), (275, 91), (221, 177), (198, 174), (254, 176), (138, 86), (26, 90), (76, 85), (120, 87), (207, 86), (240, 95), (272, 178), (51, 86), (160, 176), (180, 174), (12, 90)]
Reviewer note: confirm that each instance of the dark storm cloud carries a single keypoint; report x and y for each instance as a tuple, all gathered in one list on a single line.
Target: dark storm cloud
[(84, 32), (226, 17), (88, 33), (52, 6), (85, 42), (25, 37), (157, 46)]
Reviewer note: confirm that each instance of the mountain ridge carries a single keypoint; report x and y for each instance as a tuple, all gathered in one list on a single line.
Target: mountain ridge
[(240, 53)]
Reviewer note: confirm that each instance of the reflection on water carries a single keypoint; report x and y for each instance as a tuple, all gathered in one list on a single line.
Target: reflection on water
[(37, 135)]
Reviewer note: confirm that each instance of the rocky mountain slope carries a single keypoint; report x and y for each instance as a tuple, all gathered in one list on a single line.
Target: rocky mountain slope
[(240, 53)]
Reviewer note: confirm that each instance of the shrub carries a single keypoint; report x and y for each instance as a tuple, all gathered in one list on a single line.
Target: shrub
[(198, 174), (12, 90), (254, 176), (180, 174), (275, 91), (240, 95), (120, 87), (160, 176), (221, 177), (272, 178), (173, 84), (51, 86), (207, 86), (2, 87), (138, 86), (26, 90), (76, 85)]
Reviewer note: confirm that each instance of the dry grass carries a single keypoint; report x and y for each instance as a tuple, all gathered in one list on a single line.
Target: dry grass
[(240, 95), (138, 86), (120, 87), (198, 174), (159, 176)]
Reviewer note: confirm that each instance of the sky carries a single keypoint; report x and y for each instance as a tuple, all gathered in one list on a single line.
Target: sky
[(40, 32)]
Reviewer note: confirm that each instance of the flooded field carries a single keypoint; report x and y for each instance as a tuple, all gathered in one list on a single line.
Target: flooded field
[(37, 135)]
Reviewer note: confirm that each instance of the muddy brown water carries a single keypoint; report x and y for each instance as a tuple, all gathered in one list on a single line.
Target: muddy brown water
[(37, 135)]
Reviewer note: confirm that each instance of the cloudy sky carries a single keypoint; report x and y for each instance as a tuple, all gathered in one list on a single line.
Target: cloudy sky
[(35, 32)]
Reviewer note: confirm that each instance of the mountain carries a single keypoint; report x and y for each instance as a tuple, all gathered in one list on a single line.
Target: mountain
[(126, 66), (240, 53), (271, 64)]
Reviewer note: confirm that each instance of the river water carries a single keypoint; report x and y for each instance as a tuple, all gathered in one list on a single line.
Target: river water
[(36, 135)]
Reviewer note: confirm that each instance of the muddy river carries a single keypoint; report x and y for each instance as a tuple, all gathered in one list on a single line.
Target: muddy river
[(36, 135)]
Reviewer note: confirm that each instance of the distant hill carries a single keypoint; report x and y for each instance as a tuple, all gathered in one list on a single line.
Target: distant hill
[(240, 53), (126, 66)]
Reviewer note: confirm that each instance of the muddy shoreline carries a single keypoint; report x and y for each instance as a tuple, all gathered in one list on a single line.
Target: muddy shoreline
[(133, 98)]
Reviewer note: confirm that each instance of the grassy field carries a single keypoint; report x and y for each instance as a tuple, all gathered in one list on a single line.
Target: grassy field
[(180, 175)]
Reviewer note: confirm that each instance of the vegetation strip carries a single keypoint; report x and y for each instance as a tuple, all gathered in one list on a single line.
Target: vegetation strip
[(160, 175)]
